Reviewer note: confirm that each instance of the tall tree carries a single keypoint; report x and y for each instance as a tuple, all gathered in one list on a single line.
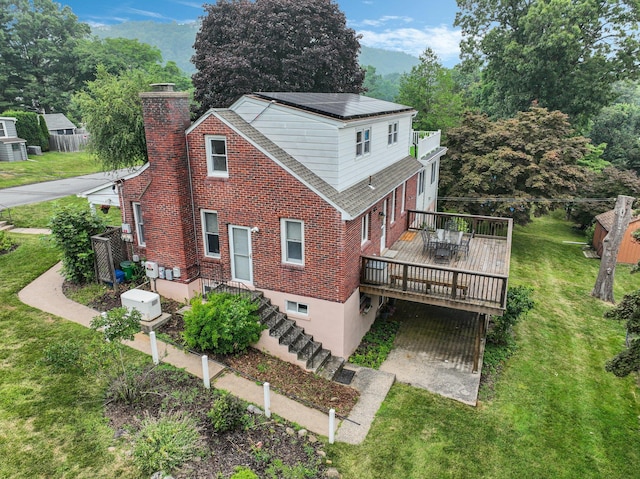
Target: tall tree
[(566, 54), (112, 110), (38, 54), (497, 167), (273, 45), (430, 89)]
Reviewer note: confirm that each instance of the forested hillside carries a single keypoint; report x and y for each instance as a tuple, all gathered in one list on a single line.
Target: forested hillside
[(175, 41)]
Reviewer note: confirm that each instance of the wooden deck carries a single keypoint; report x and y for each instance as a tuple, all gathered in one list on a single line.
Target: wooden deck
[(475, 282)]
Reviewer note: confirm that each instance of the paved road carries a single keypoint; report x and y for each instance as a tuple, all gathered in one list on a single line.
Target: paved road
[(51, 190)]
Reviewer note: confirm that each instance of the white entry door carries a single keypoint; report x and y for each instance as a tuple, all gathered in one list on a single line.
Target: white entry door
[(241, 264), (383, 228), (422, 178)]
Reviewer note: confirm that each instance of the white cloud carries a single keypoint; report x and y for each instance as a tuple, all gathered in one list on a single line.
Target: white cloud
[(147, 13), (385, 19), (442, 40)]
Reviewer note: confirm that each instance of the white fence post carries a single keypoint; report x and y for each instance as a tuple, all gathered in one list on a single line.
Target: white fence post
[(332, 426), (267, 400), (205, 372), (154, 347)]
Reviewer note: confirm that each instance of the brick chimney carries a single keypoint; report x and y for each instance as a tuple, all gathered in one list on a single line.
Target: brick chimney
[(166, 203)]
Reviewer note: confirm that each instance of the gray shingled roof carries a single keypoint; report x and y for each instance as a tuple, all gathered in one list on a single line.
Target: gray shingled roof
[(354, 200), (57, 121)]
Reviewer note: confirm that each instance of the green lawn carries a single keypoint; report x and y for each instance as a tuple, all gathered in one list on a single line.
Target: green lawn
[(38, 215), (50, 166), (556, 413)]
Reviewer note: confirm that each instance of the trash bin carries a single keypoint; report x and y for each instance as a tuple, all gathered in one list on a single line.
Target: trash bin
[(119, 276), (127, 267)]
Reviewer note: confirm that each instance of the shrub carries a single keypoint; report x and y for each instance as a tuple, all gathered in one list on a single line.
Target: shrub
[(71, 230), (6, 242), (165, 443), (131, 386), (118, 324), (589, 232), (376, 344), (225, 324), (227, 413), (519, 301), (244, 473)]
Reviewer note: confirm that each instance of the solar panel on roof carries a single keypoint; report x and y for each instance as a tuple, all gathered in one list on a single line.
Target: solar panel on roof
[(343, 106)]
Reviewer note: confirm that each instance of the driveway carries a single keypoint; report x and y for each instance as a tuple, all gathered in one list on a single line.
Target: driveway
[(434, 350), (52, 190)]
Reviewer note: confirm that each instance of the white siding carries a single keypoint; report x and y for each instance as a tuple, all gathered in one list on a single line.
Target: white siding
[(354, 169), (304, 136)]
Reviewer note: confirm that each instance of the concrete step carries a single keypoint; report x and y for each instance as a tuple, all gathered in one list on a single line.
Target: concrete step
[(4, 226), (331, 368)]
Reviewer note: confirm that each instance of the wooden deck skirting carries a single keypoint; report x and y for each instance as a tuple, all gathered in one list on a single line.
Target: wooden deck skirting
[(476, 281)]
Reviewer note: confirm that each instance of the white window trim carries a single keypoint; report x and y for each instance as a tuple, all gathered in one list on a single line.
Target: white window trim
[(434, 171), (422, 177), (4, 130), (139, 221), (364, 229), (295, 306), (403, 203), (366, 144), (392, 133), (204, 233), (210, 170), (284, 240), (392, 217)]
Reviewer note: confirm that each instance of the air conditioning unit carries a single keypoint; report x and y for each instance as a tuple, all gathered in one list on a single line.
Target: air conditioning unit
[(146, 302)]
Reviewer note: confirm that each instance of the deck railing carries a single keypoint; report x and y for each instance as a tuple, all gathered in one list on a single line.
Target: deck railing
[(489, 226), (439, 282), (426, 141)]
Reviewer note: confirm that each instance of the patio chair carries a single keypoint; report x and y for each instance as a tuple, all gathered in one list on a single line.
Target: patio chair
[(464, 244)]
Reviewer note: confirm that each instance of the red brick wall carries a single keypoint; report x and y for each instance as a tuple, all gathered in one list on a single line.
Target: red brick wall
[(258, 193)]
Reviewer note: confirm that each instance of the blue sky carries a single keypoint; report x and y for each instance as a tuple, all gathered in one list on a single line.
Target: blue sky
[(405, 25)]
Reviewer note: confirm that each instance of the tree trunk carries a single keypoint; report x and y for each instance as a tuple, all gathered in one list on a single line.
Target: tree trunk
[(610, 246)]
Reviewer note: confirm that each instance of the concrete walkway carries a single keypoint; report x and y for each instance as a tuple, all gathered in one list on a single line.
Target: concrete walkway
[(45, 293)]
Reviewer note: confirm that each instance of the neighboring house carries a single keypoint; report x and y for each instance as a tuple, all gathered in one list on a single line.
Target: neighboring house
[(629, 251), (301, 196), (63, 134), (59, 124), (12, 148)]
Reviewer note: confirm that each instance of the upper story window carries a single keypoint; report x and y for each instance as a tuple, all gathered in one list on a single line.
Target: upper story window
[(364, 229), (216, 147), (211, 234), (292, 234), (137, 217), (363, 141), (392, 137), (3, 129)]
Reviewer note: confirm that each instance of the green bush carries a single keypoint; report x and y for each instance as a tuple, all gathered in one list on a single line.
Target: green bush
[(244, 473), (227, 413), (519, 301), (225, 324), (376, 344), (28, 127), (71, 230), (165, 443), (6, 242), (589, 233)]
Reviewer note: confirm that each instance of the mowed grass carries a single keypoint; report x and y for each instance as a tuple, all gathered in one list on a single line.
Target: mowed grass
[(52, 165), (51, 425), (38, 215), (556, 412)]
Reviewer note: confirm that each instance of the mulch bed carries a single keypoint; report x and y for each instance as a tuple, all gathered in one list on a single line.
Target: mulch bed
[(258, 447)]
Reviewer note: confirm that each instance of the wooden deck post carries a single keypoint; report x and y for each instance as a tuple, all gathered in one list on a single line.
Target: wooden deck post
[(480, 333)]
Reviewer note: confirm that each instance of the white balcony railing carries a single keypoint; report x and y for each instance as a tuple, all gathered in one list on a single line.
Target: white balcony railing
[(426, 141)]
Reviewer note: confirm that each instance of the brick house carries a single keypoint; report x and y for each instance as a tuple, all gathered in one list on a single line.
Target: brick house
[(283, 192)]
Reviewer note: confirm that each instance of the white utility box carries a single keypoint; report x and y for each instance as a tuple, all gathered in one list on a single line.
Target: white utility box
[(146, 302)]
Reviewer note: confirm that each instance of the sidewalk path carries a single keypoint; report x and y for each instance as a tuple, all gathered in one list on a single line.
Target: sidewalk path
[(45, 293)]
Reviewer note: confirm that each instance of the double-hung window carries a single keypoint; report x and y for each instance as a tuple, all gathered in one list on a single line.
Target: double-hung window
[(211, 234), (364, 229), (392, 137), (363, 141), (292, 233), (3, 129), (216, 147), (137, 217)]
